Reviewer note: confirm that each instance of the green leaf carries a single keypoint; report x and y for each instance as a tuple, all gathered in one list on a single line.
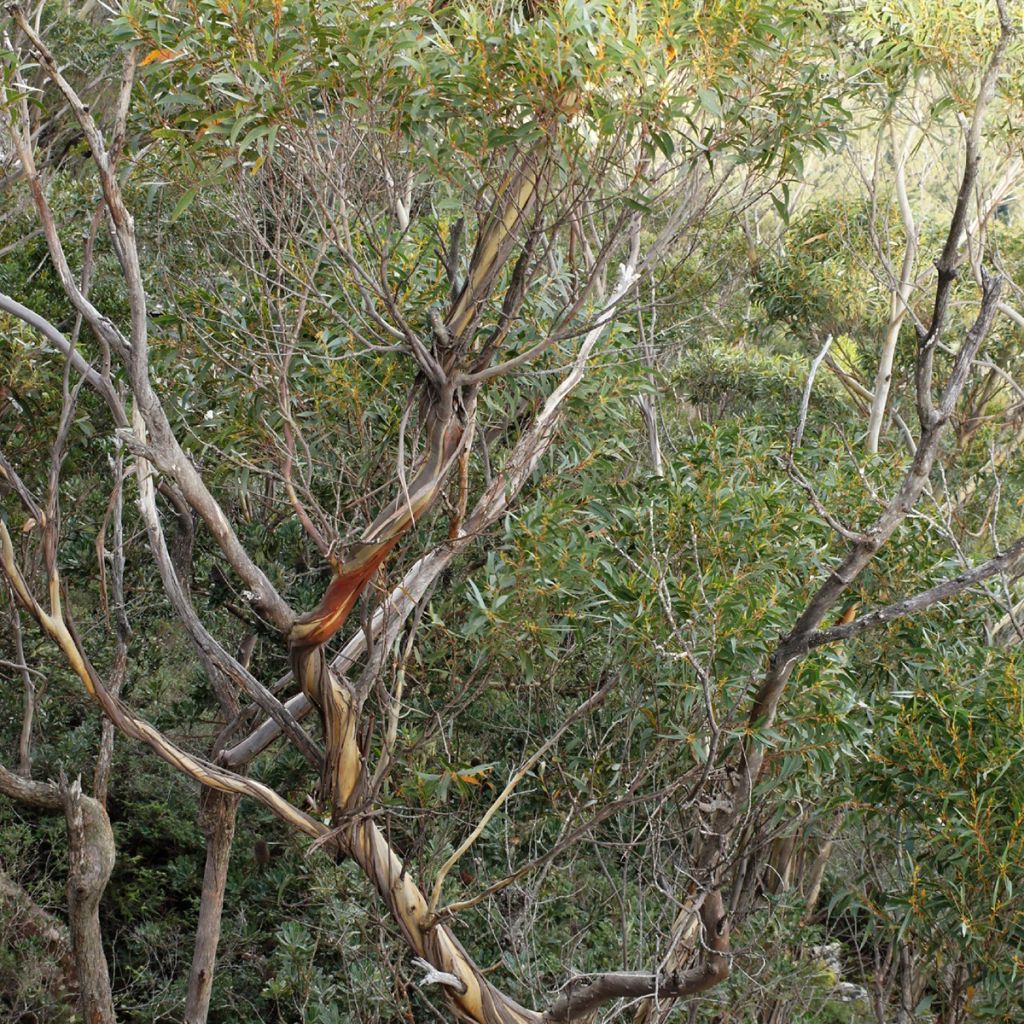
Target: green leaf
[(710, 101), (184, 202)]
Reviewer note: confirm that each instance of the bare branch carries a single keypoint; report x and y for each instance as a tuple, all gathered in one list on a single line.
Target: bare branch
[(582, 997), (1003, 563), (949, 261), (806, 397), (92, 376)]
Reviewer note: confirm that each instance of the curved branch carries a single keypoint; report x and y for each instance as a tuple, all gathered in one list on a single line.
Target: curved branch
[(583, 996), (216, 659), (92, 376)]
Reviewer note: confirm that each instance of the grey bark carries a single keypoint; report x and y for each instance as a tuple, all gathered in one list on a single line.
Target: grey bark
[(217, 816), (217, 813), (91, 857)]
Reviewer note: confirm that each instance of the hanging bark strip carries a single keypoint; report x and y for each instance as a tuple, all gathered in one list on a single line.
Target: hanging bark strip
[(517, 197)]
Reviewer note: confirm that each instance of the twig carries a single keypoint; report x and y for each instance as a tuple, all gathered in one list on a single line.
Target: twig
[(805, 401), (591, 702)]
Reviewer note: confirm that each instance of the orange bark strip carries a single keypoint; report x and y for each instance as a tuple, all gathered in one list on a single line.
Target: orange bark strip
[(318, 626), (315, 628)]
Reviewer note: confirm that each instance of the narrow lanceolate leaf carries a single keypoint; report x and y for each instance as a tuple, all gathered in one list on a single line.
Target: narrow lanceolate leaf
[(159, 55)]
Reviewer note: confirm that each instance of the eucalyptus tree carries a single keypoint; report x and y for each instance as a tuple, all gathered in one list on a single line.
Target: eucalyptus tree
[(358, 147)]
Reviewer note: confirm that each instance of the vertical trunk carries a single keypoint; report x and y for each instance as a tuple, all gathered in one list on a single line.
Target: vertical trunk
[(647, 401), (780, 864), (91, 856), (217, 812), (105, 754), (881, 983), (953, 1008), (815, 874), (905, 1013), (649, 411)]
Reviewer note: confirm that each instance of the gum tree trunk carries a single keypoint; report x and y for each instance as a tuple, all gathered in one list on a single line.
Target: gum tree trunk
[(217, 813), (91, 856)]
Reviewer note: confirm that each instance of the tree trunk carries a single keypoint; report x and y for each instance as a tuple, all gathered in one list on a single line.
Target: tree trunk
[(649, 411), (217, 815), (907, 974), (217, 812), (91, 857), (815, 875), (780, 864)]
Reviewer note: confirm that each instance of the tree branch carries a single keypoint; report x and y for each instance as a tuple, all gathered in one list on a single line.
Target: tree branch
[(1003, 563), (583, 996)]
